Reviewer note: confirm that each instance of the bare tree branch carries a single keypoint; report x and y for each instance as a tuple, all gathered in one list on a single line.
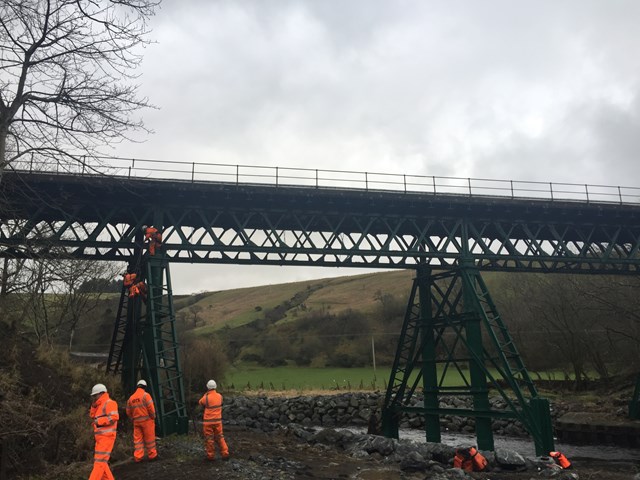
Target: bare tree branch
[(67, 76)]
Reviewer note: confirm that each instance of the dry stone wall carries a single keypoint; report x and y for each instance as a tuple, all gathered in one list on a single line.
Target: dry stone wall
[(347, 410)]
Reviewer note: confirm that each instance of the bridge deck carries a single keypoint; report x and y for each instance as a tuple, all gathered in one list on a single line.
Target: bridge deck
[(227, 222)]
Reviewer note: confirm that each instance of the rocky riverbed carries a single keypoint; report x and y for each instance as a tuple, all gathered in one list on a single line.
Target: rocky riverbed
[(295, 452)]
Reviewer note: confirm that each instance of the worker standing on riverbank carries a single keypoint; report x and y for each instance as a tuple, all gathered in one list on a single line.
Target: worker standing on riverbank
[(142, 412), (104, 413), (212, 422)]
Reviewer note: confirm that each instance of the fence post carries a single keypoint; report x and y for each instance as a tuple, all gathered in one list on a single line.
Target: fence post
[(620, 194), (586, 189), (404, 178), (434, 183), (317, 178), (551, 189), (277, 176), (469, 180), (193, 170), (511, 182), (366, 181), (237, 174)]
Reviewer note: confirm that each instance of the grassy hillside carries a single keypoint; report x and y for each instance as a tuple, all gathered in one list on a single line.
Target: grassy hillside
[(282, 308), (295, 301)]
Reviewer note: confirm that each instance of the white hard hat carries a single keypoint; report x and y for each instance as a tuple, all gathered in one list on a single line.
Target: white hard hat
[(141, 383), (211, 385), (98, 388)]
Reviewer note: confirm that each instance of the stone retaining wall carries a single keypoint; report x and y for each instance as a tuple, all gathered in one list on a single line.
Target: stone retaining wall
[(348, 409)]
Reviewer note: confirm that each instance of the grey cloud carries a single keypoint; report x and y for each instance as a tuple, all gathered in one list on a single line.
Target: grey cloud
[(541, 90)]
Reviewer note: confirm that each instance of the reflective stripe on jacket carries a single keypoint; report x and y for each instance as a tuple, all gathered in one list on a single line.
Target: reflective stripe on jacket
[(104, 413), (140, 406), (212, 403)]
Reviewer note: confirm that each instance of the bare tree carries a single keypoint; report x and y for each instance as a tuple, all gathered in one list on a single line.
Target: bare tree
[(67, 77), (53, 302), (195, 311)]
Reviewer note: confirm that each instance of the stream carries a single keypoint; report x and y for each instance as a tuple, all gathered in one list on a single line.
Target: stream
[(525, 446)]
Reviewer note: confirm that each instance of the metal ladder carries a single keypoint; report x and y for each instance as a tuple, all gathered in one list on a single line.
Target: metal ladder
[(161, 355), (145, 345)]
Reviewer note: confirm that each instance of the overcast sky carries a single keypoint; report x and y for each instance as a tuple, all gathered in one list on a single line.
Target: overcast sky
[(537, 90)]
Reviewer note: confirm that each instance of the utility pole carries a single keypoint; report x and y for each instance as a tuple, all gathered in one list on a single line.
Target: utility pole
[(373, 355)]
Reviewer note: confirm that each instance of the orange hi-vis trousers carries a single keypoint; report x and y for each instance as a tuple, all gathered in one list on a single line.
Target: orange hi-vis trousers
[(144, 438), (212, 435), (101, 455)]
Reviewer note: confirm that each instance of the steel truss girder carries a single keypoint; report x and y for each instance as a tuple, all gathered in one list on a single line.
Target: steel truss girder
[(247, 224)]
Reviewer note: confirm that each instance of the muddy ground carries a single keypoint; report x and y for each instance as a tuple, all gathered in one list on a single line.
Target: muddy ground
[(281, 455), (46, 434)]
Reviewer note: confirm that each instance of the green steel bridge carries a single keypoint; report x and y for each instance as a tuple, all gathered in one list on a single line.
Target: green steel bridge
[(447, 229)]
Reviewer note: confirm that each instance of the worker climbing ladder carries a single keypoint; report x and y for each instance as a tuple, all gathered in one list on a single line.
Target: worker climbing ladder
[(144, 342), (441, 349)]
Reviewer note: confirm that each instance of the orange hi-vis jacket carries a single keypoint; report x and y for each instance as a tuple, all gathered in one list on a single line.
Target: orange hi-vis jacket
[(560, 459), (105, 415), (150, 233), (140, 406), (469, 460), (212, 403), (129, 279)]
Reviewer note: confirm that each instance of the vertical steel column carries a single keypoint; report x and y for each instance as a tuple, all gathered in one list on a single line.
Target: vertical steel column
[(429, 367), (473, 332), (132, 348)]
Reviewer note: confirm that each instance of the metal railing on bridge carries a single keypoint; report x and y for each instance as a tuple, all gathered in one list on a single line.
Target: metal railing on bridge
[(199, 172)]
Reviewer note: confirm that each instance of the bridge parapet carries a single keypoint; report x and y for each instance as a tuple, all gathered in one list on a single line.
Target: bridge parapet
[(199, 172)]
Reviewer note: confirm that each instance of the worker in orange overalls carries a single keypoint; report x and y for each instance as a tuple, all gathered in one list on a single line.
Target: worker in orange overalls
[(560, 459), (129, 279), (469, 460), (153, 237), (212, 422), (138, 288), (141, 410), (104, 413)]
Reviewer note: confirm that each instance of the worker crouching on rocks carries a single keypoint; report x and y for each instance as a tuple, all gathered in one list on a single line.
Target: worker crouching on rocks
[(212, 422), (469, 459), (560, 459), (104, 414)]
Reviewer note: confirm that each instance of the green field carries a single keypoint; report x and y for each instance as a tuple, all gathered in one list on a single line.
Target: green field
[(255, 378)]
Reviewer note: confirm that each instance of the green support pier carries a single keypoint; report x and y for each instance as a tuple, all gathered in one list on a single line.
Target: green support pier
[(145, 345), (454, 342)]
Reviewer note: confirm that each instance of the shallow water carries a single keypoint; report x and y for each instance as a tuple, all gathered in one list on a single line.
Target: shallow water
[(525, 446)]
